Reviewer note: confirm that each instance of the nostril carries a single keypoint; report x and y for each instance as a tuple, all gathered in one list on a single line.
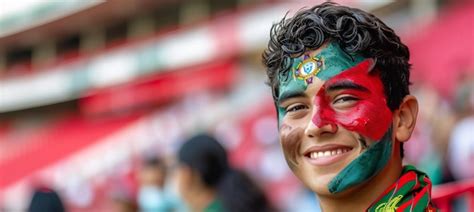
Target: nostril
[(326, 133)]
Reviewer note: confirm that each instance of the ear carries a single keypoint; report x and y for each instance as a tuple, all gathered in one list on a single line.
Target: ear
[(405, 118)]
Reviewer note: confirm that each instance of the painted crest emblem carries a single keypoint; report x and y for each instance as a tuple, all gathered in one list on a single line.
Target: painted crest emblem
[(308, 68)]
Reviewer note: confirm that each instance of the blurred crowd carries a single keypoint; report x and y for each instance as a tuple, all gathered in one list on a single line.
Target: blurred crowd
[(199, 176), (443, 142)]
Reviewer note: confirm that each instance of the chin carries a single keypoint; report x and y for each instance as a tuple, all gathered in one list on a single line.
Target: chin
[(319, 184), (315, 180)]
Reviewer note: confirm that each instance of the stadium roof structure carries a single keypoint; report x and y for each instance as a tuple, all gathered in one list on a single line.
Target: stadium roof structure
[(230, 35)]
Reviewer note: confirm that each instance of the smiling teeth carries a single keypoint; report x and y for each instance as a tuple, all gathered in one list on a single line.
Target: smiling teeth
[(327, 153)]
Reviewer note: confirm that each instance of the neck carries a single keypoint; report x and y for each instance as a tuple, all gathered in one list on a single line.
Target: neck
[(361, 197), (202, 199)]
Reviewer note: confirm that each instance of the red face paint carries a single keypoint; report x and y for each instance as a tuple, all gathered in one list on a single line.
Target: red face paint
[(370, 116)]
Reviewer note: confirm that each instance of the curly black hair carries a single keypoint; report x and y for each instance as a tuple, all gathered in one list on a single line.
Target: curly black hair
[(355, 31)]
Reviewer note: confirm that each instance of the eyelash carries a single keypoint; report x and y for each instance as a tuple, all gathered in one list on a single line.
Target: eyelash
[(296, 108), (341, 100), (345, 99)]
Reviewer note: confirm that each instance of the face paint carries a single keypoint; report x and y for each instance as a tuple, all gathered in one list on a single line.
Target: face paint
[(331, 61), (370, 116), (291, 144), (367, 165)]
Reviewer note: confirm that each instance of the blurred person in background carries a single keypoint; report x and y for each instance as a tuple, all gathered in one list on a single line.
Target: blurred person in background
[(45, 199), (461, 145), (121, 196), (427, 148), (120, 202), (340, 78), (207, 182), (152, 195)]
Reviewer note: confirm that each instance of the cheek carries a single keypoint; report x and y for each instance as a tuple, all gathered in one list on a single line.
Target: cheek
[(291, 144), (370, 118), (285, 129)]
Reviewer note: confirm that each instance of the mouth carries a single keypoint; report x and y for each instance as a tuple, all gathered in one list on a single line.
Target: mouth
[(326, 155)]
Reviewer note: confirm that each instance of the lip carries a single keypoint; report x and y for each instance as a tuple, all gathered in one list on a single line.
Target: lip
[(328, 160)]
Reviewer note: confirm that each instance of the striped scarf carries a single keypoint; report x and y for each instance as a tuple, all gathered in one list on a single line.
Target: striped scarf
[(411, 192)]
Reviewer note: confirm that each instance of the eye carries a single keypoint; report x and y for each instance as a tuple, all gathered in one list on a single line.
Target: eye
[(294, 108), (345, 101)]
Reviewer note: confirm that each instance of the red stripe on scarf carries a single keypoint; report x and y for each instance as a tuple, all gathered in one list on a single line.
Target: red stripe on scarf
[(418, 195), (405, 178)]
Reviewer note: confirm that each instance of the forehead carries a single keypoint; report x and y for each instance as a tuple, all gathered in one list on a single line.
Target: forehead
[(323, 64)]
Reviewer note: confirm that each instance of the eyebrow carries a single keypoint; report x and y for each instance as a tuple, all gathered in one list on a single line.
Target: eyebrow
[(345, 84), (290, 94)]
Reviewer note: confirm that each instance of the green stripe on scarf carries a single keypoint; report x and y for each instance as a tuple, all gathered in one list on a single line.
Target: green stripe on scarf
[(411, 192)]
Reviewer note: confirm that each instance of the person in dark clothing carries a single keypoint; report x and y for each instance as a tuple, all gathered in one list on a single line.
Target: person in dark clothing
[(45, 199), (207, 182)]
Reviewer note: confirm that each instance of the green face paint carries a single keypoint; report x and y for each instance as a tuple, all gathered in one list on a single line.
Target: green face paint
[(333, 60), (368, 164)]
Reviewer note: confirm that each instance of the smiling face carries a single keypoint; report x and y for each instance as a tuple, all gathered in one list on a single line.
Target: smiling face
[(334, 120)]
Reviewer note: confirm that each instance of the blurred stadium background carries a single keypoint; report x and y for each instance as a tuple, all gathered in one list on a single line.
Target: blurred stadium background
[(88, 88)]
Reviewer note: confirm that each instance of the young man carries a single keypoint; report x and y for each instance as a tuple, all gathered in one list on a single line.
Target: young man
[(339, 78)]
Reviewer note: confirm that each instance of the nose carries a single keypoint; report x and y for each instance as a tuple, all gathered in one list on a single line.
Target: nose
[(322, 127), (312, 130)]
